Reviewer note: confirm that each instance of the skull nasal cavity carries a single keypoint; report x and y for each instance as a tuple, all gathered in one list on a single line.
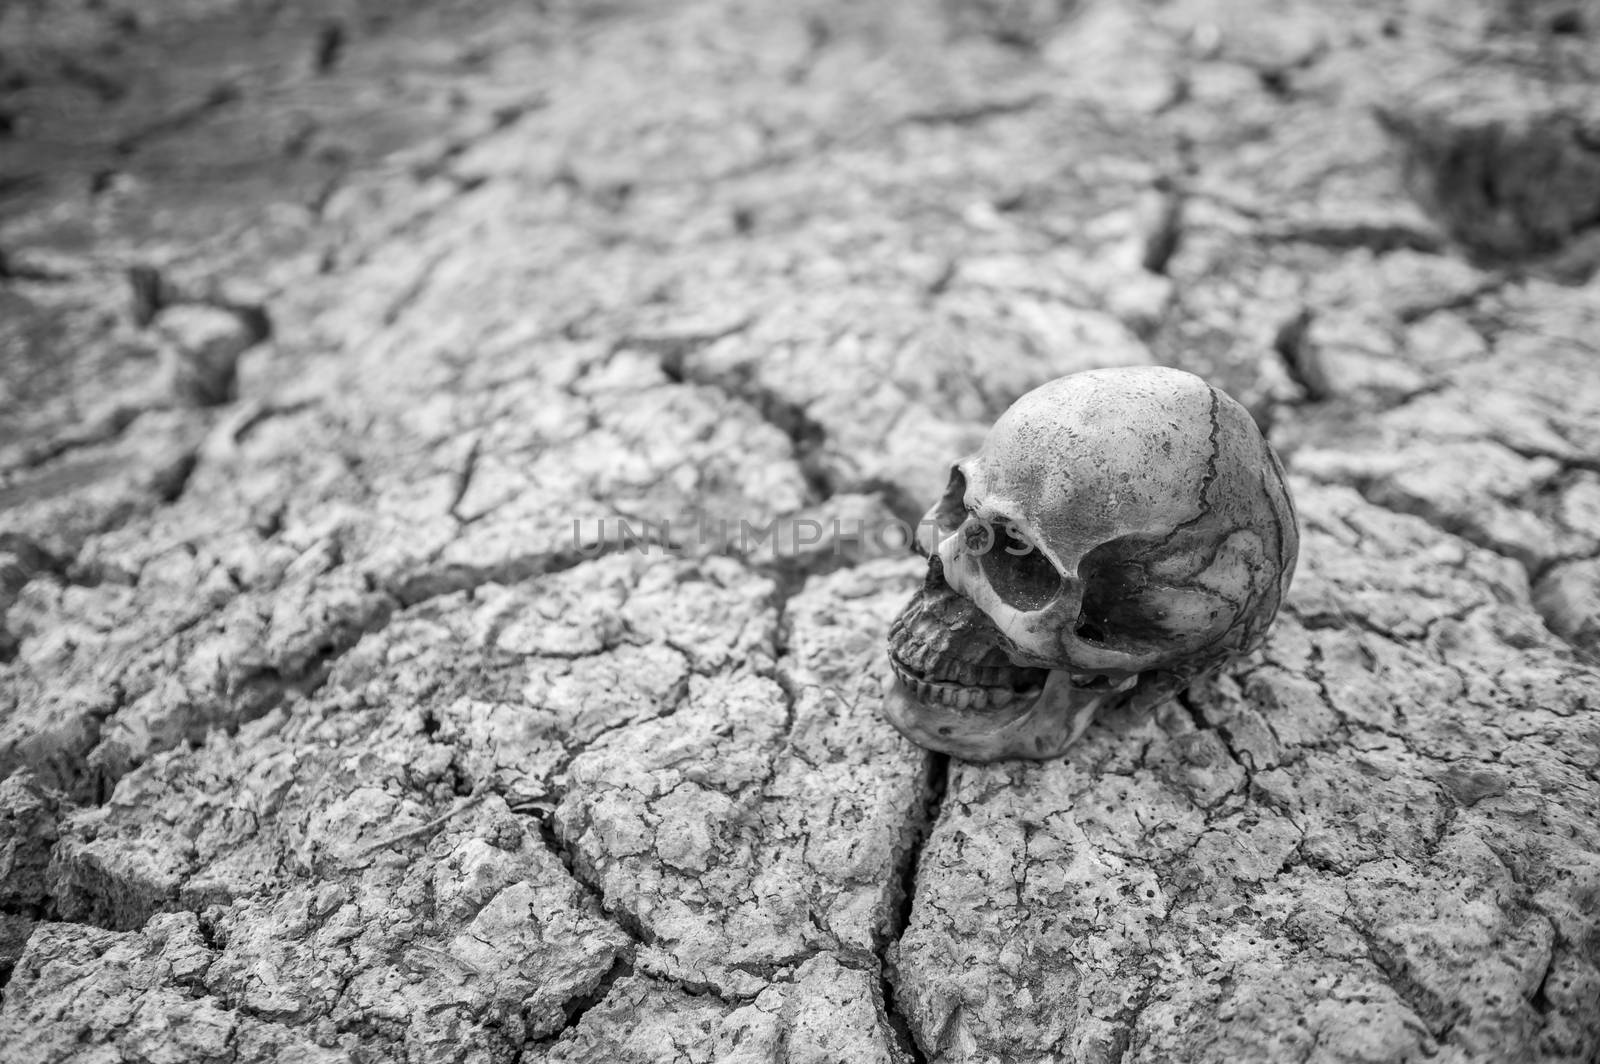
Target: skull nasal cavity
[(1019, 572)]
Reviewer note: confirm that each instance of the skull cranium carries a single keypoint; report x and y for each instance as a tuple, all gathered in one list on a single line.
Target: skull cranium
[(1120, 533)]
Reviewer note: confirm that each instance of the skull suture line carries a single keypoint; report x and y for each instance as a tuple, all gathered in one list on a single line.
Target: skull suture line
[(1120, 533)]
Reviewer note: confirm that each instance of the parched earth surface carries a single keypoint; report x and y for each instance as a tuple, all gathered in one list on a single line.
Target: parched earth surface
[(396, 400)]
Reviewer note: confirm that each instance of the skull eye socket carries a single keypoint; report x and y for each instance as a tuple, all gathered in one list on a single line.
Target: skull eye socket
[(1019, 572), (946, 516), (952, 508)]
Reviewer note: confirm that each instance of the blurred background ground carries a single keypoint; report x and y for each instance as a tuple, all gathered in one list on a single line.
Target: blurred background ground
[(334, 724)]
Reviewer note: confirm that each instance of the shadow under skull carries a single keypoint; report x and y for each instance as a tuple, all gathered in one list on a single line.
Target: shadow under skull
[(1121, 533)]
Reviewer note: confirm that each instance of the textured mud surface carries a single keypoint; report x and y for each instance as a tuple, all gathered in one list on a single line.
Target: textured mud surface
[(340, 719)]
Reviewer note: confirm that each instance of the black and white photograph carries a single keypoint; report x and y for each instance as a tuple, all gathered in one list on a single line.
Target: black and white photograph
[(799, 532)]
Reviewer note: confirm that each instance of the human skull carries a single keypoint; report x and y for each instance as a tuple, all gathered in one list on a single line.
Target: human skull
[(1120, 533)]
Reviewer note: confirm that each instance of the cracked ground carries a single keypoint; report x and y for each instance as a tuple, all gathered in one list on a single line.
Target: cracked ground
[(345, 348)]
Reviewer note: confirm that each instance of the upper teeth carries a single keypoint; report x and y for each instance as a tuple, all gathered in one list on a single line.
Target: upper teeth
[(962, 695), (992, 696)]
